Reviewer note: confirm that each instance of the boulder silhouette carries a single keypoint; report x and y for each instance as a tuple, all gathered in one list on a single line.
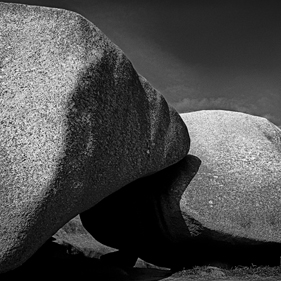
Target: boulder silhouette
[(220, 204), (77, 123)]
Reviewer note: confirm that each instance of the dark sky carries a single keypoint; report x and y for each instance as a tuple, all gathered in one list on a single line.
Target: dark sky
[(199, 54)]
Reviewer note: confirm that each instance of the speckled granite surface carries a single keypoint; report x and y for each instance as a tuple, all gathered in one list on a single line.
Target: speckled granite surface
[(77, 123)]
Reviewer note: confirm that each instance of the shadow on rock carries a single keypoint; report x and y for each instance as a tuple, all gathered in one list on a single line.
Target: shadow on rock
[(54, 261), (145, 219)]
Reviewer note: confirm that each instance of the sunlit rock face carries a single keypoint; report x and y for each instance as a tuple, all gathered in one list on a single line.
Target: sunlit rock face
[(77, 123), (237, 188), (221, 203)]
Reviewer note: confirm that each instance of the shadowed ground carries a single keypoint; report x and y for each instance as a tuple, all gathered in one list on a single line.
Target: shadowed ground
[(54, 262)]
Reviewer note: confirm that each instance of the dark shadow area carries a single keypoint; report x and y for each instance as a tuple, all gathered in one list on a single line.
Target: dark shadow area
[(53, 261), (144, 220)]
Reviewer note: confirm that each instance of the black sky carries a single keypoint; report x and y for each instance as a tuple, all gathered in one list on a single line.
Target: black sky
[(199, 54)]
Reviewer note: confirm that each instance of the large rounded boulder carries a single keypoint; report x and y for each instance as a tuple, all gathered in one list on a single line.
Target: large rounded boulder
[(220, 204), (77, 123)]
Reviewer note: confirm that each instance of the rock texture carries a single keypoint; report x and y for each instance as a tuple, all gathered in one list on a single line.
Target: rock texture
[(77, 123), (220, 204), (238, 187)]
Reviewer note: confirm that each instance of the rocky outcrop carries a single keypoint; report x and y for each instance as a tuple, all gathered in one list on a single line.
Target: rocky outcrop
[(220, 204), (77, 123)]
